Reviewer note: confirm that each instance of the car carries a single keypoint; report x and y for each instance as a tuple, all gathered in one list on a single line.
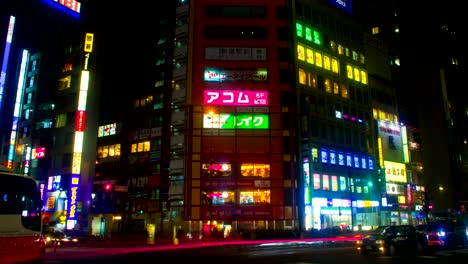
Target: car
[(445, 234), (391, 240), (58, 238)]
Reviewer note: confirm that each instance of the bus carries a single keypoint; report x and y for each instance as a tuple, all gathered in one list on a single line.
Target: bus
[(21, 236)]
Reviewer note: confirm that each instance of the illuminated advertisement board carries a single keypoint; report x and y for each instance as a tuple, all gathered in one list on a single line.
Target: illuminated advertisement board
[(345, 5), (73, 198), (391, 139), (6, 55), (65, 5), (107, 130), (80, 121), (53, 183), (214, 75), (38, 153), (233, 97), (395, 172), (235, 53), (231, 121)]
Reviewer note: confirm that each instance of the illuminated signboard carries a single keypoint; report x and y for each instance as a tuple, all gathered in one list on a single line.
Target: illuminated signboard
[(392, 142), (345, 5), (6, 55), (76, 162), (65, 5), (214, 75), (235, 53), (233, 97), (38, 153), (80, 121), (107, 130), (395, 172), (231, 121), (88, 47), (73, 198), (53, 183)]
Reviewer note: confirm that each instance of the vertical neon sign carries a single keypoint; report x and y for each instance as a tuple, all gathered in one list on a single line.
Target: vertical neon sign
[(79, 136), (17, 110), (6, 55)]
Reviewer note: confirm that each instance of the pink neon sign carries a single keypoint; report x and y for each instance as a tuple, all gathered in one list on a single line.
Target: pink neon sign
[(233, 97)]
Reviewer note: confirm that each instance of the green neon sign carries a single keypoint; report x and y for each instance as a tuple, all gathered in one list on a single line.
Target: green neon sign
[(231, 121)]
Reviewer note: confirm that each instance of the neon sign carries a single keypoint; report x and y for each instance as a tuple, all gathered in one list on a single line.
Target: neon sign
[(73, 198), (231, 121), (214, 75), (233, 97), (80, 120)]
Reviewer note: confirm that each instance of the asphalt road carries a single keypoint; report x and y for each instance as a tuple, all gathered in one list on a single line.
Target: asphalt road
[(271, 253)]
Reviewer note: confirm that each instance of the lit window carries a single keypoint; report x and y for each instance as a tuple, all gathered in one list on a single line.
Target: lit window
[(349, 71), (318, 59), (363, 77), (146, 146), (308, 33), (316, 181), (375, 30), (105, 151), (111, 150), (218, 197), (314, 154), (310, 56), (357, 74), (344, 91), (300, 52), (328, 87), (334, 183), (340, 49), (257, 197), (326, 182), (326, 62), (299, 30), (117, 149), (255, 170), (336, 88), (343, 185), (334, 66), (217, 170), (302, 76), (312, 80)]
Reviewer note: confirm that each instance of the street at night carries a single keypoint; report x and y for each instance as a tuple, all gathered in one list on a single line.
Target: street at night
[(280, 254)]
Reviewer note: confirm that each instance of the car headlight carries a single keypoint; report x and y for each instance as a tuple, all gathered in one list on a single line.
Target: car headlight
[(380, 242), (358, 242), (441, 233)]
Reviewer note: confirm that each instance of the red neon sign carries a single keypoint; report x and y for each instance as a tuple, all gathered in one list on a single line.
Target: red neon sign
[(80, 121)]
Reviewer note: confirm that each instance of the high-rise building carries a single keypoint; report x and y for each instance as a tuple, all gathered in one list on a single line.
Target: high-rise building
[(47, 95), (272, 122)]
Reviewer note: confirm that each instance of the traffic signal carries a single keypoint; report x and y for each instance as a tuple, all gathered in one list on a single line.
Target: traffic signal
[(107, 187)]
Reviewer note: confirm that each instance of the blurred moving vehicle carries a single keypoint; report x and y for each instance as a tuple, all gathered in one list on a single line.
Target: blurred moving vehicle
[(58, 238), (445, 234), (20, 219), (392, 240)]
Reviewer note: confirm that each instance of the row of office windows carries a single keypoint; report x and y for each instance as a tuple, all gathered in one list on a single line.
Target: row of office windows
[(231, 197), (217, 170), (334, 183)]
